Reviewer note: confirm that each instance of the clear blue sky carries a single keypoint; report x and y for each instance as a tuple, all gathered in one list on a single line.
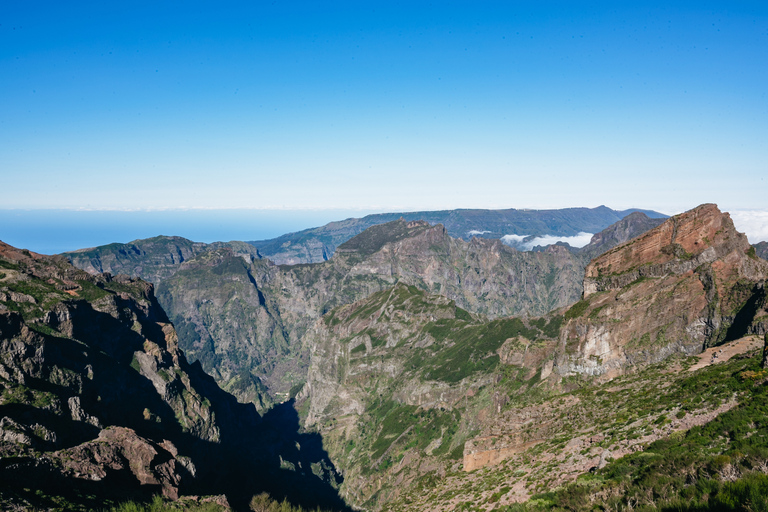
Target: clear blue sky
[(383, 105)]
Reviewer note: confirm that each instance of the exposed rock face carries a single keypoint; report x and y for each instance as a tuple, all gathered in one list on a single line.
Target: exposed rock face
[(396, 362), (97, 402), (121, 450), (761, 250), (244, 319), (404, 368), (153, 259), (685, 285), (623, 231), (89, 352)]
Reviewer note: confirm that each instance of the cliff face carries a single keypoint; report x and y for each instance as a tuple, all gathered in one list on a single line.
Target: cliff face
[(761, 250), (98, 403), (400, 374), (91, 378), (685, 285), (244, 318), (152, 259), (404, 384)]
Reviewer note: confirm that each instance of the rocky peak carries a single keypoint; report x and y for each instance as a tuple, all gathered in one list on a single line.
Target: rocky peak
[(374, 238), (688, 284), (680, 244), (629, 227)]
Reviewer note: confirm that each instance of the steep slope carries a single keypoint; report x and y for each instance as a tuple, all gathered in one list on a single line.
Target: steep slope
[(152, 259), (396, 380), (629, 227), (225, 322), (244, 318), (687, 284), (241, 319), (97, 402), (398, 375), (319, 244), (761, 250)]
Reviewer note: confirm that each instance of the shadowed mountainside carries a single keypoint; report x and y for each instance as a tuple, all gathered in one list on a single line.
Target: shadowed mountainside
[(98, 404)]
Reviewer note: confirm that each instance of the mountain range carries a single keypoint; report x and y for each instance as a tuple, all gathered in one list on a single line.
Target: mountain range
[(318, 244), (413, 369), (244, 318)]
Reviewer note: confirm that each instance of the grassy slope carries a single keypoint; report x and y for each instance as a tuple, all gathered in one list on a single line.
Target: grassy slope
[(705, 468)]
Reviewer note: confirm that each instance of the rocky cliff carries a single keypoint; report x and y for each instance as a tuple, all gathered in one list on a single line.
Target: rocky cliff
[(396, 378), (761, 250), (690, 283), (403, 382), (152, 259), (243, 318), (98, 403)]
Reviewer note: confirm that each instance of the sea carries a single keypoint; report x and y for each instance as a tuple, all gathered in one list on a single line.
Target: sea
[(55, 231)]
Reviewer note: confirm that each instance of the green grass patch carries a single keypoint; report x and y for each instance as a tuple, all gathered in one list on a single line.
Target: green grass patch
[(577, 309)]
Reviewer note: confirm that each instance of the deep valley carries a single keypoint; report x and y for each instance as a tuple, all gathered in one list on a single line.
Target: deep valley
[(393, 363)]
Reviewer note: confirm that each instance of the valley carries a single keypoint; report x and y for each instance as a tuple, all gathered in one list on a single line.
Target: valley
[(401, 367)]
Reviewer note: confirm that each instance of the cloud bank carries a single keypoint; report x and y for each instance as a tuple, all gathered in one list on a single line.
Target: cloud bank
[(523, 242), (754, 223), (513, 239), (474, 232)]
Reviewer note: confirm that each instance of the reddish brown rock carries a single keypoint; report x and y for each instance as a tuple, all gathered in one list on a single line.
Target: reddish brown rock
[(680, 287)]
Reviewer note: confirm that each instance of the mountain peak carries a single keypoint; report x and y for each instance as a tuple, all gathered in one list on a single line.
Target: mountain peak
[(679, 244), (376, 237)]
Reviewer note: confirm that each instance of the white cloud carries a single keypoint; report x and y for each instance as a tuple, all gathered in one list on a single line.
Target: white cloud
[(513, 239), (754, 223), (579, 240), (474, 232)]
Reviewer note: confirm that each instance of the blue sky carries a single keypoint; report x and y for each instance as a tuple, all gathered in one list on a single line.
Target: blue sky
[(383, 105)]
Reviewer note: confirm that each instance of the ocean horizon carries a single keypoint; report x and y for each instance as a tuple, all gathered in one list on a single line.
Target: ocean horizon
[(55, 231)]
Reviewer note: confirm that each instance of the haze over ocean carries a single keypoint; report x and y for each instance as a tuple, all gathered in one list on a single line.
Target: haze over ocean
[(55, 231)]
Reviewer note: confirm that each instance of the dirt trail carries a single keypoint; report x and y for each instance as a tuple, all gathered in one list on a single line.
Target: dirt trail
[(724, 352)]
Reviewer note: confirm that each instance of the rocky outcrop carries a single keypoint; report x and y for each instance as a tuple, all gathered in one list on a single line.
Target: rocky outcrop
[(621, 232), (121, 450), (680, 287), (682, 243), (69, 361)]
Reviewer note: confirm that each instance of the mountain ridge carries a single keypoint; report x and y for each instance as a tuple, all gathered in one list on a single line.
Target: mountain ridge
[(318, 244)]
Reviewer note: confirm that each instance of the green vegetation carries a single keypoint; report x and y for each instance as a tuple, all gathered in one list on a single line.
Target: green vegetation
[(90, 291), (158, 504), (259, 503), (22, 395), (408, 426), (577, 309), (465, 348), (8, 264), (721, 465)]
